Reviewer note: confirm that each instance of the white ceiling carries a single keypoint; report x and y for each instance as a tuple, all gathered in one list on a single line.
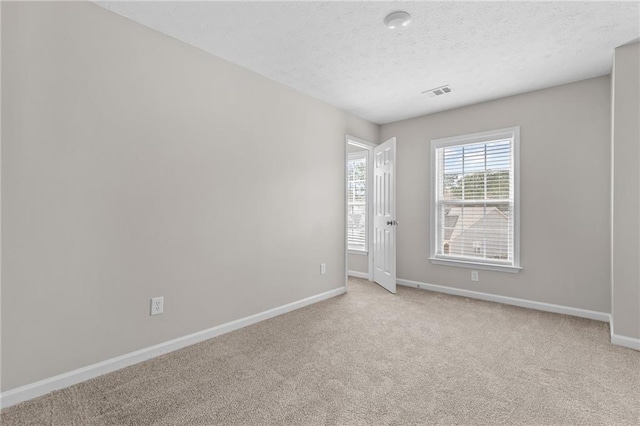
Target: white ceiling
[(341, 53)]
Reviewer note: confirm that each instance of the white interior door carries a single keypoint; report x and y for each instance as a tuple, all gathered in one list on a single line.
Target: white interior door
[(384, 215)]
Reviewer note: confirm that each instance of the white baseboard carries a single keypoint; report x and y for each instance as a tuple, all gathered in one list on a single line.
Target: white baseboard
[(357, 274), (540, 306), (627, 342), (42, 387)]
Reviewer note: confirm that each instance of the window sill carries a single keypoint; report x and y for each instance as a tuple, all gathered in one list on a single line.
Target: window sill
[(358, 252), (476, 265)]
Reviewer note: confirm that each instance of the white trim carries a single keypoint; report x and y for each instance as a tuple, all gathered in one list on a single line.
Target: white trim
[(627, 342), (346, 209), (358, 274), (540, 306), (476, 265), (516, 197), (506, 133), (370, 212), (360, 143), (611, 192), (42, 387)]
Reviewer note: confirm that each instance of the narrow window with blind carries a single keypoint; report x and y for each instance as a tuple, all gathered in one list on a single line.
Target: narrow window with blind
[(474, 202), (357, 201)]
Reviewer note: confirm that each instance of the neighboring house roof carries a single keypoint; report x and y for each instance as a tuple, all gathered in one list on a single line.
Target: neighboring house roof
[(455, 222)]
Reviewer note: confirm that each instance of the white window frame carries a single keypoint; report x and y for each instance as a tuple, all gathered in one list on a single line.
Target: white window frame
[(353, 156), (512, 133)]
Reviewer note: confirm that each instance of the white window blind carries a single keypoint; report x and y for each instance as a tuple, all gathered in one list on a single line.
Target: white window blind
[(474, 206), (357, 201)]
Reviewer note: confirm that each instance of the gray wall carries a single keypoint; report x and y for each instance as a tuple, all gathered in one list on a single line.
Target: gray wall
[(134, 166), (362, 129), (626, 198), (358, 262), (565, 194)]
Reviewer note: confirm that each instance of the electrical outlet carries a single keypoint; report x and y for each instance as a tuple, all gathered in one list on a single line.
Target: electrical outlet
[(323, 268), (157, 305), (475, 276)]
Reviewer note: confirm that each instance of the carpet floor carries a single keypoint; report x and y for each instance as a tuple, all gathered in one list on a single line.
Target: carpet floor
[(370, 357)]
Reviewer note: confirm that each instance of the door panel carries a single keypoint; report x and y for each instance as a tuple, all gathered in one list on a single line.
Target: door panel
[(384, 215)]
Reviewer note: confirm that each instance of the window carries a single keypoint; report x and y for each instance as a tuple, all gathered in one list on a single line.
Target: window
[(474, 202), (357, 201), (477, 247)]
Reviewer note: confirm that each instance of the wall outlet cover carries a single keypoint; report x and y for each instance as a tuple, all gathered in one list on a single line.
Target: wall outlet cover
[(157, 305)]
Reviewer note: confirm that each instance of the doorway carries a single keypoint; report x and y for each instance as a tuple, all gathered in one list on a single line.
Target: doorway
[(370, 211)]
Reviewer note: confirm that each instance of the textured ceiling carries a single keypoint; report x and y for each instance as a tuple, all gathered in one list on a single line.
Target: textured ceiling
[(341, 53)]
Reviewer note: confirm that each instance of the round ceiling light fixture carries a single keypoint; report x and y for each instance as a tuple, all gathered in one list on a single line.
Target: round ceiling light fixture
[(397, 19)]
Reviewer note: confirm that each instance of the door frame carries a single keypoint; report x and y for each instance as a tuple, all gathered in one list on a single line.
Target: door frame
[(361, 143)]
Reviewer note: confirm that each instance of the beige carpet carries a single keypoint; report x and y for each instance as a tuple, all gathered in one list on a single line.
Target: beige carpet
[(369, 357)]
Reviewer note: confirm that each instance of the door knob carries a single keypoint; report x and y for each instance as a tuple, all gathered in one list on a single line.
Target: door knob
[(389, 222)]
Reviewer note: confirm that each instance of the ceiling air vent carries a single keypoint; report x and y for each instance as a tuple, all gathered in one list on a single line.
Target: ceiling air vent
[(438, 91)]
